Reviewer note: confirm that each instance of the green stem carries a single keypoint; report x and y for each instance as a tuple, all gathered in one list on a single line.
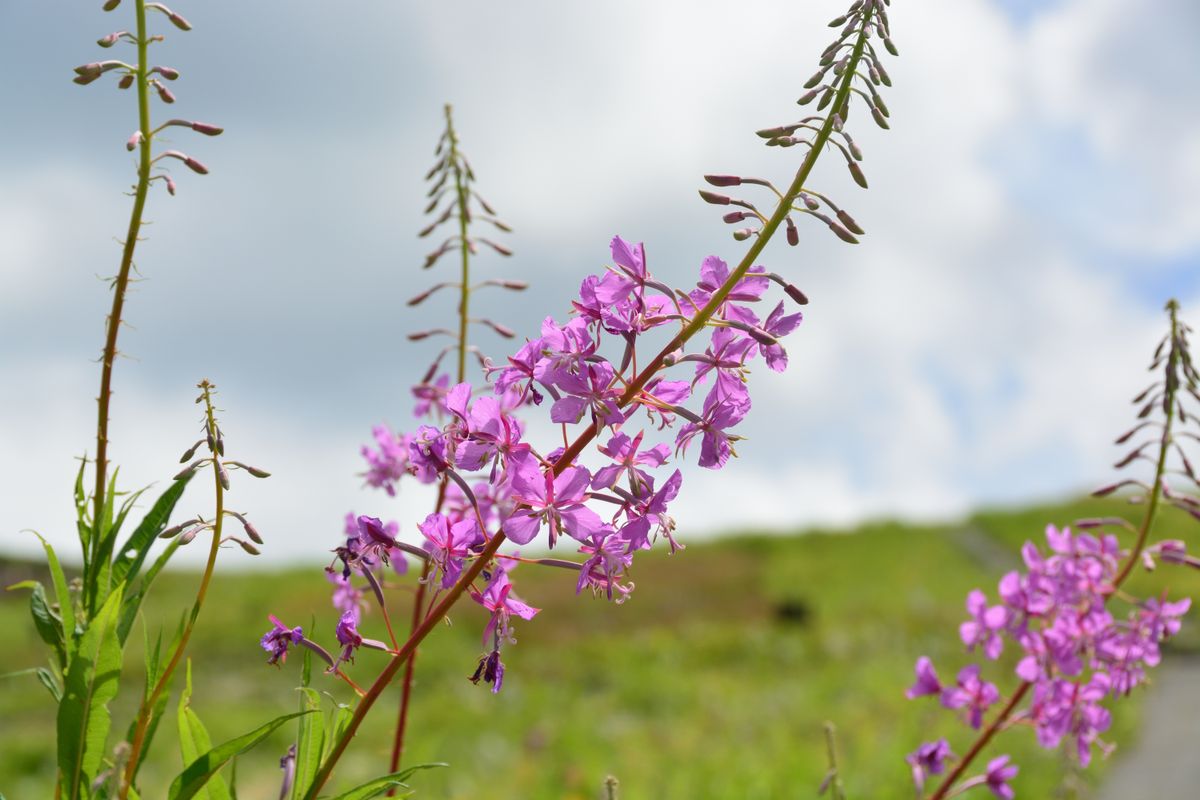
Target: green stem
[(575, 448), (460, 189), (122, 281), (142, 723)]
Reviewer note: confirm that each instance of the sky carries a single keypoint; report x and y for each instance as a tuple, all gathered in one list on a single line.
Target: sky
[(1030, 212)]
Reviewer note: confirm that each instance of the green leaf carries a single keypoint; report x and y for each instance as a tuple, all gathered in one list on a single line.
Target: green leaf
[(96, 580), (83, 716), (135, 549), (382, 784), (198, 773), (66, 610), (47, 624), (106, 575), (194, 741), (341, 718), (130, 612), (50, 682), (311, 741), (81, 520)]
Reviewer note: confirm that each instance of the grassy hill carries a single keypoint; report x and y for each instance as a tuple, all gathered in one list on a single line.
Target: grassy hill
[(713, 681)]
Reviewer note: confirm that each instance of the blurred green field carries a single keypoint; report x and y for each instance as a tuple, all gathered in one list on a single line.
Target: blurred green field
[(713, 681)]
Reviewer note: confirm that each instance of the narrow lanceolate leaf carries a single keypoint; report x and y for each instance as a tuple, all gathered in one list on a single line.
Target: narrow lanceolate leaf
[(310, 743), (66, 611), (47, 624), (129, 613), (194, 741), (83, 716), (97, 580), (135, 549), (380, 785), (197, 774), (105, 572), (81, 520), (51, 683)]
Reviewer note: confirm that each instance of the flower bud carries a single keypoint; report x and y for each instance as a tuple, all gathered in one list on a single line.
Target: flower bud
[(251, 531), (109, 5), (125, 82), (842, 233), (175, 530), (516, 286), (189, 535), (189, 469), (849, 222), (817, 77), (714, 198), (857, 173), (249, 548), (794, 292), (501, 249), (890, 46), (164, 93), (131, 145), (170, 186), (110, 40), (723, 180), (223, 476), (742, 234), (178, 21), (808, 96), (735, 216), (191, 451), (167, 72), (810, 202), (254, 471), (793, 235)]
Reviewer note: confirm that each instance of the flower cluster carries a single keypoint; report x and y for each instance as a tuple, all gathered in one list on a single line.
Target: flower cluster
[(1075, 653), (495, 481)]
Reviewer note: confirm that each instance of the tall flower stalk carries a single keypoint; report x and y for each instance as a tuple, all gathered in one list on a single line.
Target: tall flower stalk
[(451, 179), (1077, 653), (519, 491)]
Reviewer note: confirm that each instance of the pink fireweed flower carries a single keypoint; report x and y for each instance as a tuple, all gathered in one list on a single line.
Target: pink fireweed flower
[(985, 626), (591, 391), (499, 599), (927, 680), (430, 396), (722, 410), (778, 325), (277, 640), (972, 693), (609, 556), (449, 545), (929, 759), (493, 436), (547, 500), (627, 458), (389, 463), (347, 598), (999, 773), (349, 637), (713, 274), (428, 454)]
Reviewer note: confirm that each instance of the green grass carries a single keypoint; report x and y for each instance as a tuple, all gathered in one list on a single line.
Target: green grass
[(698, 687)]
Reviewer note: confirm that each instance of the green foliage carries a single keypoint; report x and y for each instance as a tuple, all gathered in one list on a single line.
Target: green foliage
[(310, 744), (47, 623), (380, 785), (83, 716), (200, 772), (194, 741)]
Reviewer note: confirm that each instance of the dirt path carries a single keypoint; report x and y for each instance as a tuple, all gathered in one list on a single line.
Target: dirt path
[(1164, 764)]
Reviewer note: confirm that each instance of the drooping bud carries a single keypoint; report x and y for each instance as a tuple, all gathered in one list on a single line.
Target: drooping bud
[(793, 235), (714, 198), (849, 222), (131, 145), (191, 451), (125, 82), (189, 469), (810, 202), (109, 5), (735, 216), (742, 234), (502, 330), (249, 548), (815, 79), (890, 46), (723, 180), (175, 530), (111, 39), (809, 96), (223, 476), (501, 249), (254, 471), (170, 186), (191, 163), (167, 72), (251, 531), (857, 173), (164, 93)]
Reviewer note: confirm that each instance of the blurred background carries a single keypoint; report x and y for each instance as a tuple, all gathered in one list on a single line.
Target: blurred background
[(1030, 211)]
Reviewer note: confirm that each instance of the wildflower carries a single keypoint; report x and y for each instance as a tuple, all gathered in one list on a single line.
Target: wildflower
[(277, 640), (927, 680), (557, 502), (929, 759)]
